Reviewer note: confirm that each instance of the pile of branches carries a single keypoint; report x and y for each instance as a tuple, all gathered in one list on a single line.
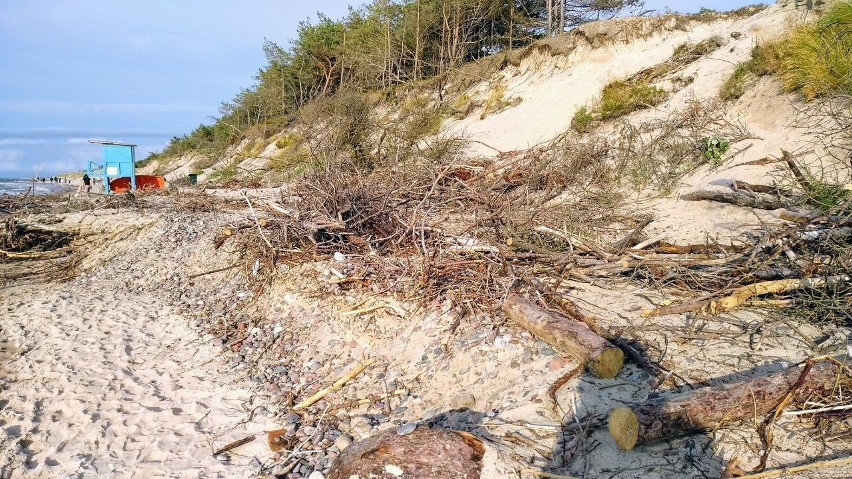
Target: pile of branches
[(430, 229), (470, 230), (18, 238)]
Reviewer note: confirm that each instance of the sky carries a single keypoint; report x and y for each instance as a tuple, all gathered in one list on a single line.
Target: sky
[(139, 72)]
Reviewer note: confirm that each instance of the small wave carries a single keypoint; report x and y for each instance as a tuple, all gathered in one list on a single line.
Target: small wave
[(17, 186)]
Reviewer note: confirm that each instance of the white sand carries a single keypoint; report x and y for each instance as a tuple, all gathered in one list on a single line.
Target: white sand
[(109, 385)]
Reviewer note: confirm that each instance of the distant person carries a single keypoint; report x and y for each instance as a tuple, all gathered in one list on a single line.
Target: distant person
[(87, 183)]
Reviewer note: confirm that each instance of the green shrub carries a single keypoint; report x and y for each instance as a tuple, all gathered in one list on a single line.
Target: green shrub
[(622, 97), (582, 120), (829, 198), (422, 123), (714, 148), (816, 60), (225, 174), (288, 141), (462, 106)]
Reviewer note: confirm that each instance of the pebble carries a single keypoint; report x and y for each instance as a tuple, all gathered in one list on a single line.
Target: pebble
[(394, 470), (316, 475), (406, 428), (557, 364), (462, 401), (361, 425), (223, 457), (343, 441)]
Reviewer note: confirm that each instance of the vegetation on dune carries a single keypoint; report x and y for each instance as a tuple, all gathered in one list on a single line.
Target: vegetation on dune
[(393, 49), (617, 99), (622, 97), (816, 60), (762, 62)]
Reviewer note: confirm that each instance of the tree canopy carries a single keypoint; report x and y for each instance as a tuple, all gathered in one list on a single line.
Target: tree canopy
[(383, 44)]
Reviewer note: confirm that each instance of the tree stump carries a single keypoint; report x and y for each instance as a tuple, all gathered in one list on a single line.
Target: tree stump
[(424, 454)]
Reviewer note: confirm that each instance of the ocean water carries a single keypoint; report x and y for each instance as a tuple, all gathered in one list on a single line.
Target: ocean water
[(17, 186)]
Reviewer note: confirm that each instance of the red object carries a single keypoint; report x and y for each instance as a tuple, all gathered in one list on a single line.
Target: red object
[(143, 182)]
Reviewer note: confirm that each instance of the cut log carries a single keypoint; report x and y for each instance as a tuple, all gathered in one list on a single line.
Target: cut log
[(761, 202), (713, 407), (600, 356), (424, 453)]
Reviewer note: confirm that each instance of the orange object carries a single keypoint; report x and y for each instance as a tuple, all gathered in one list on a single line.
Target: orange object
[(143, 182)]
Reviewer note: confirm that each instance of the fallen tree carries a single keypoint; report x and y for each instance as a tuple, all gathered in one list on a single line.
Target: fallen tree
[(713, 407)]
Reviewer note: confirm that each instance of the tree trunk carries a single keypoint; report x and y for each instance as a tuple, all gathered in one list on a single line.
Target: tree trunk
[(549, 26), (713, 407), (577, 340)]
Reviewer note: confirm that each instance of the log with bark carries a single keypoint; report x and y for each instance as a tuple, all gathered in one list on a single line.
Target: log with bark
[(758, 201), (423, 453), (713, 407), (600, 356)]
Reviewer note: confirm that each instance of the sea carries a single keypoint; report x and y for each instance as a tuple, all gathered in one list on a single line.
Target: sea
[(19, 186)]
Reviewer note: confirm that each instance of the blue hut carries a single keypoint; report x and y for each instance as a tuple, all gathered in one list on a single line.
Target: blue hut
[(119, 160)]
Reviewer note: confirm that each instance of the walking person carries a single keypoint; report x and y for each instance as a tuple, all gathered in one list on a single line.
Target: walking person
[(87, 184)]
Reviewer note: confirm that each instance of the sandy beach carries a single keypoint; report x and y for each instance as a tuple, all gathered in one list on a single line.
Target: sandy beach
[(102, 379)]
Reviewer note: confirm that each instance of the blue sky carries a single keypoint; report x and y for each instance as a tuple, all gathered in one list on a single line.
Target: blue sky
[(137, 71)]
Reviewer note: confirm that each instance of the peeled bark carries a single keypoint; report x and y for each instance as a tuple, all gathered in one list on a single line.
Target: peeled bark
[(600, 356), (424, 453), (713, 407)]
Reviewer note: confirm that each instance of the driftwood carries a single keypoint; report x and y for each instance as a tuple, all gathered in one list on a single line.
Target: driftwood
[(354, 372), (743, 294), (761, 202), (797, 173), (601, 357), (423, 453), (805, 218), (712, 407), (813, 466), (570, 309)]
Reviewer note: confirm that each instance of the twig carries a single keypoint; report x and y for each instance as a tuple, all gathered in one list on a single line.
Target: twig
[(649, 242), (337, 385), (802, 412), (234, 445), (259, 229), (785, 471), (358, 312), (218, 270)]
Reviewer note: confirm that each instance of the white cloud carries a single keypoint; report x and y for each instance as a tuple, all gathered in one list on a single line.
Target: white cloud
[(65, 107), (9, 160), (21, 142)]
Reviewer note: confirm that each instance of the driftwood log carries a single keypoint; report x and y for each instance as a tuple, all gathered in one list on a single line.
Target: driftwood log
[(758, 201), (424, 453), (600, 356), (712, 407)]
